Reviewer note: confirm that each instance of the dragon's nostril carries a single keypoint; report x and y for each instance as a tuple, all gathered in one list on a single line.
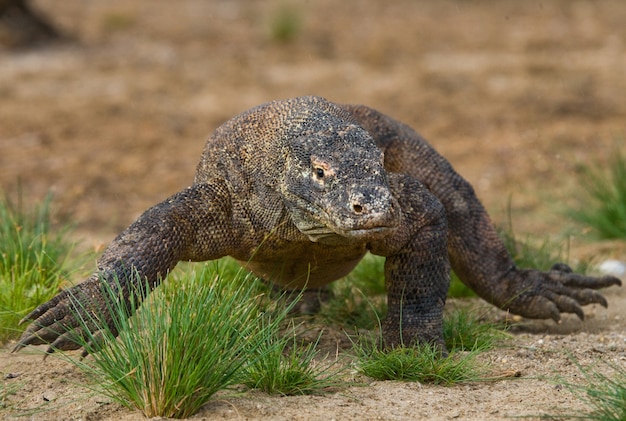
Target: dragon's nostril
[(357, 208)]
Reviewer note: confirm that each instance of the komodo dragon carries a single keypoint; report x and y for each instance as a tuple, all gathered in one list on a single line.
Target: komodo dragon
[(298, 191)]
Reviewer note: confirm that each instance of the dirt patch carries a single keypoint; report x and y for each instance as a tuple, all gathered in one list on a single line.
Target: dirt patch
[(516, 95)]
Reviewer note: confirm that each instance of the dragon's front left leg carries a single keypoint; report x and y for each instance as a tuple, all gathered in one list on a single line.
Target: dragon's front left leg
[(417, 270)]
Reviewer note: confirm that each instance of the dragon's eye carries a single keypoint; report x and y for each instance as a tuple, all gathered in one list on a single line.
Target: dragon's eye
[(319, 172)]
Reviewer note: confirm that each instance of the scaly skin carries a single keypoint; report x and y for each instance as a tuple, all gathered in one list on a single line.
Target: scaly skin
[(298, 191)]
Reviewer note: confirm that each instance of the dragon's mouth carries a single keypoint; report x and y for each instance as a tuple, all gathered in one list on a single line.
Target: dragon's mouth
[(321, 226), (324, 234), (369, 232)]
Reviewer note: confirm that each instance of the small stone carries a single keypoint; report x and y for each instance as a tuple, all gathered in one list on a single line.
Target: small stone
[(613, 267), (48, 397)]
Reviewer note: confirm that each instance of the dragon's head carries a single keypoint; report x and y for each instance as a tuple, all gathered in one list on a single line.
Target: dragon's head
[(334, 181)]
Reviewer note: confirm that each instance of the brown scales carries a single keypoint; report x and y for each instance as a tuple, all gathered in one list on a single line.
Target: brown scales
[(298, 191)]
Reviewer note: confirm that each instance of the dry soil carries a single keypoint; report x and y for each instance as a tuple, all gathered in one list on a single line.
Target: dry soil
[(518, 95)]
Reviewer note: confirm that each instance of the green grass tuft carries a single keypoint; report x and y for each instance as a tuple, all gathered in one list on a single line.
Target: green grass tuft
[(605, 395), (465, 337), (463, 330), (603, 204), (191, 338), (422, 363), (285, 367), (33, 261)]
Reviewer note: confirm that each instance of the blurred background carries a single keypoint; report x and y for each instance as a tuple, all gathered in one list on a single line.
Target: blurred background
[(107, 103)]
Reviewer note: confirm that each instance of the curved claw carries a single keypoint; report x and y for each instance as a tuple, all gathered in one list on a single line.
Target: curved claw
[(566, 304), (68, 341), (582, 288), (543, 295), (50, 321), (44, 308), (589, 296), (58, 321), (541, 308), (43, 332), (575, 280)]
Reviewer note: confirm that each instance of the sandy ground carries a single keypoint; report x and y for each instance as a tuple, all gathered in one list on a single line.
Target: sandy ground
[(516, 94)]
